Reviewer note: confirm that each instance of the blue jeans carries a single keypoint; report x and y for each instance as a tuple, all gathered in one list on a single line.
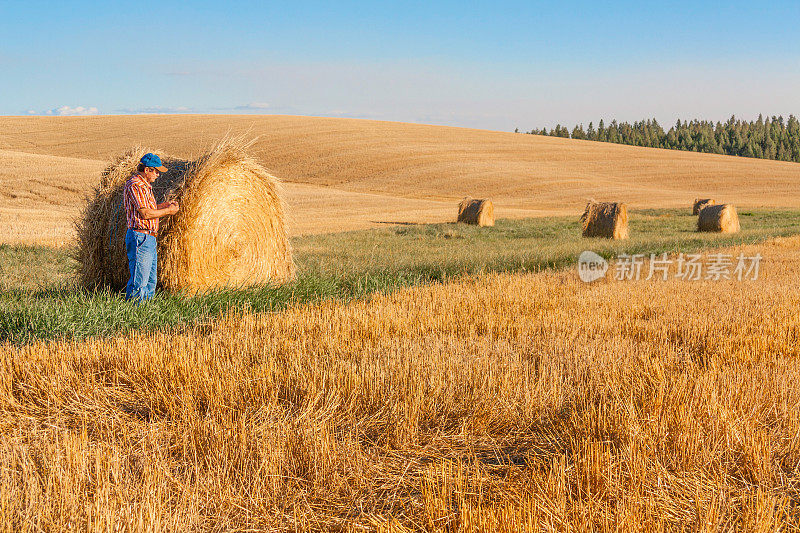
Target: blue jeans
[(142, 262)]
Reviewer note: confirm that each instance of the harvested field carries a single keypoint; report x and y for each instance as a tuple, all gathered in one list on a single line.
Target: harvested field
[(39, 210), (423, 377), (503, 403), (41, 195), (39, 299), (422, 169)]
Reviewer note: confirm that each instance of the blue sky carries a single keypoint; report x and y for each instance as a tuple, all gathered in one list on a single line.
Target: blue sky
[(493, 65)]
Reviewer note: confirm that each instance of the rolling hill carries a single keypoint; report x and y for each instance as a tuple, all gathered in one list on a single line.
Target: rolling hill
[(343, 174)]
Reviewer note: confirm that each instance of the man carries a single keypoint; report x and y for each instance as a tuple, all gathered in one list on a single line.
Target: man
[(143, 214)]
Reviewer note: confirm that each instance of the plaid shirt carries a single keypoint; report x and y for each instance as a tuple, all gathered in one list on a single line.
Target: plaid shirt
[(139, 193)]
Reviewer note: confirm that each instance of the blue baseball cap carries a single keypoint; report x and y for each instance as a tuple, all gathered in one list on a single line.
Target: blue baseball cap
[(153, 161)]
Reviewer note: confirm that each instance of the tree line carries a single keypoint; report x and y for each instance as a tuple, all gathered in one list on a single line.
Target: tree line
[(770, 138)]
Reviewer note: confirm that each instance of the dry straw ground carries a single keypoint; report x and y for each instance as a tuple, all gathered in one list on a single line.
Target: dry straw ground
[(344, 174), (501, 403)]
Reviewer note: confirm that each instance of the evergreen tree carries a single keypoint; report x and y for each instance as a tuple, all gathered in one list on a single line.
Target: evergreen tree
[(578, 133), (591, 134), (769, 138)]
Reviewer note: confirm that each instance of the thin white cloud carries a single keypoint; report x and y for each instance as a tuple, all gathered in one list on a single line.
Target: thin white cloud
[(254, 106), (155, 110), (66, 111)]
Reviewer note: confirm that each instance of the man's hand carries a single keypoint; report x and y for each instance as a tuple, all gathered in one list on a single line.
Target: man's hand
[(161, 210)]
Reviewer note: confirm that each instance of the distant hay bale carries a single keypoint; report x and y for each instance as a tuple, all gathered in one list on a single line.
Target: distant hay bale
[(700, 203), (474, 211), (229, 231), (605, 219), (721, 218)]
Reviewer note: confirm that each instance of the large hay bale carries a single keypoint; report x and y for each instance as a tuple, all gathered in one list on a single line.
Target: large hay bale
[(475, 211), (605, 219), (700, 203), (720, 218), (229, 231)]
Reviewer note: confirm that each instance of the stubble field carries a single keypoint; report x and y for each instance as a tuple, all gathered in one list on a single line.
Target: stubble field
[(345, 174), (527, 402), (420, 377)]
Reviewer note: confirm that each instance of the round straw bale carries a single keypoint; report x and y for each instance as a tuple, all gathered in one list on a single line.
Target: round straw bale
[(605, 219), (476, 211), (700, 203), (229, 231), (720, 218)]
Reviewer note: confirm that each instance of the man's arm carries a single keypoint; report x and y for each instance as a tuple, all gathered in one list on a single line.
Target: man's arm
[(161, 210), (149, 214)]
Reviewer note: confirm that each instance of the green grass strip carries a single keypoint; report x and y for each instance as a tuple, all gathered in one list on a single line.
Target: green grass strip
[(39, 298)]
